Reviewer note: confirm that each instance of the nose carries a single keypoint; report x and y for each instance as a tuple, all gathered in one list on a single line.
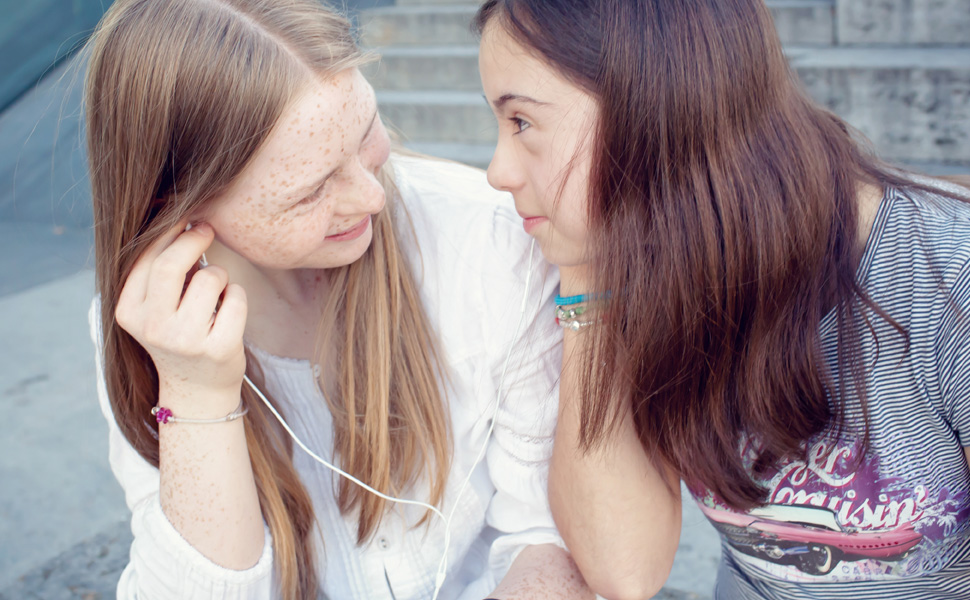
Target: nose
[(365, 194), (504, 171), (377, 149)]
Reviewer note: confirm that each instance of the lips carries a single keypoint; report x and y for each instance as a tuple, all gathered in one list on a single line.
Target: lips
[(530, 223), (353, 233)]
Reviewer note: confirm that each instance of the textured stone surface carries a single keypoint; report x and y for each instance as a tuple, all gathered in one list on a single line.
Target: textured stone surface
[(911, 102), (903, 22), (913, 108), (418, 25), (438, 116), (88, 570), (916, 109), (427, 68), (57, 488), (808, 22), (437, 2)]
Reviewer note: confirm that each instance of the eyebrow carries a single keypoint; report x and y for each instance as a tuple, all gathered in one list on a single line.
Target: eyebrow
[(506, 98), (307, 190)]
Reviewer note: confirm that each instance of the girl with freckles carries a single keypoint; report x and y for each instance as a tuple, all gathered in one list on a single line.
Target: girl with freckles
[(252, 226)]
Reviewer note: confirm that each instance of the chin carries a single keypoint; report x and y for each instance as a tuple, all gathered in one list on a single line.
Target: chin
[(562, 257)]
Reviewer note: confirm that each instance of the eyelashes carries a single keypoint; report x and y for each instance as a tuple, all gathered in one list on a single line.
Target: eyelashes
[(519, 124), (313, 197)]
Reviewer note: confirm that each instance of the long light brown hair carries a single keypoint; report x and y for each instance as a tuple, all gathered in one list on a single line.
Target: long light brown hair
[(180, 95), (723, 214)]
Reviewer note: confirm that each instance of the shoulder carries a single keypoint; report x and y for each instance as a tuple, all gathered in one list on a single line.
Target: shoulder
[(448, 193), (457, 218), (921, 268), (940, 217), (436, 179), (469, 253), (930, 230)]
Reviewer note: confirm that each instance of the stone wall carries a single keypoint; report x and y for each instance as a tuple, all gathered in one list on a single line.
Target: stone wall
[(899, 71), (903, 22)]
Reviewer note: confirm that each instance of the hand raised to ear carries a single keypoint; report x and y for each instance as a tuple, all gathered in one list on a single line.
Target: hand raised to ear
[(191, 324)]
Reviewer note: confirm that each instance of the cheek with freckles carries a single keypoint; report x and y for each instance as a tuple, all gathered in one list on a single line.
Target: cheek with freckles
[(264, 235)]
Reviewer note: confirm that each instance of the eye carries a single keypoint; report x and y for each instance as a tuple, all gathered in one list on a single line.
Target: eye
[(314, 196), (519, 124)]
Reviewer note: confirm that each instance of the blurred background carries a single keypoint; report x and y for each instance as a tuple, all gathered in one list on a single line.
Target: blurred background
[(898, 70)]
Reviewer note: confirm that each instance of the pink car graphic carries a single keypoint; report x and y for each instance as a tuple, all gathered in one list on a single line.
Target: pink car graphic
[(807, 537)]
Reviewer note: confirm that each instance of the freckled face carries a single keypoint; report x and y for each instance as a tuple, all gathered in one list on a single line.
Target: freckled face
[(543, 152), (305, 200)]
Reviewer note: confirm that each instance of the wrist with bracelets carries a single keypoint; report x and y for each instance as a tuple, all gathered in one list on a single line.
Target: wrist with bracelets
[(164, 416)]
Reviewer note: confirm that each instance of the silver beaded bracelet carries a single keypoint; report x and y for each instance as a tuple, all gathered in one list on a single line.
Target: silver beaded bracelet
[(575, 325), (164, 415)]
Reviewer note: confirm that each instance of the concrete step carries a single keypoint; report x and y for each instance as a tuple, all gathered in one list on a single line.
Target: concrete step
[(800, 22), (418, 25), (803, 22), (438, 116), (911, 102), (903, 22), (433, 47), (437, 2), (476, 155), (426, 68)]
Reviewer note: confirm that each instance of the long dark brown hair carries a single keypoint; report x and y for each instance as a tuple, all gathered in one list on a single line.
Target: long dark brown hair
[(180, 95), (723, 215)]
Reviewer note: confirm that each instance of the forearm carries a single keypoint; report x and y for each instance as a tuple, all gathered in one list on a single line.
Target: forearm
[(207, 489), (618, 513), (540, 572)]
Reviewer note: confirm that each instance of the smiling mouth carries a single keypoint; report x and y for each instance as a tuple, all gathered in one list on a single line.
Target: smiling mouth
[(353, 233)]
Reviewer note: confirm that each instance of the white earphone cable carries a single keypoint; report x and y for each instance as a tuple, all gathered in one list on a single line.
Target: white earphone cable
[(443, 568), (443, 563)]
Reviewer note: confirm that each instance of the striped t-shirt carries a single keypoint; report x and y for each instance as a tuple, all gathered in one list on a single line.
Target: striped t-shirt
[(895, 524)]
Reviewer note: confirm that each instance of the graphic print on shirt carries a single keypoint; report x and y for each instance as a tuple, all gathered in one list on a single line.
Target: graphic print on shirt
[(835, 518)]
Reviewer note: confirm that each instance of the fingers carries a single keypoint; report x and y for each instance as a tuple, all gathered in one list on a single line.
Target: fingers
[(166, 278), (201, 297), (174, 312), (230, 322), (143, 291), (136, 286)]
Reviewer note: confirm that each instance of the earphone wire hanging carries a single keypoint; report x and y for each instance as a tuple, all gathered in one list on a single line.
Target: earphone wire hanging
[(443, 562)]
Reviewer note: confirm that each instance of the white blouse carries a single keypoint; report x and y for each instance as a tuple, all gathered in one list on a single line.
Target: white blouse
[(472, 267)]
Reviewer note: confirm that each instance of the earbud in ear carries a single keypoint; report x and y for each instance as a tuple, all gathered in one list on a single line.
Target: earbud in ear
[(203, 263)]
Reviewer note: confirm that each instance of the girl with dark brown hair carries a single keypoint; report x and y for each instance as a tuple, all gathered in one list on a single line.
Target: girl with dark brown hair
[(752, 303), (387, 309)]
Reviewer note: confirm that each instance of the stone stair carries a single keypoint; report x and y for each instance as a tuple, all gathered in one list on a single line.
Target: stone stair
[(899, 71)]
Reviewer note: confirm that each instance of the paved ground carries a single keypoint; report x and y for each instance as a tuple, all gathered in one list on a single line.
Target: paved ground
[(62, 516)]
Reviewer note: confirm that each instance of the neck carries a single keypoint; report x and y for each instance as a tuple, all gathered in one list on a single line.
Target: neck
[(284, 305), (868, 197), (575, 279)]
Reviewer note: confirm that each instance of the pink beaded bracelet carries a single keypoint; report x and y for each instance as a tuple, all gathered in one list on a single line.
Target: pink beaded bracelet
[(164, 415)]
